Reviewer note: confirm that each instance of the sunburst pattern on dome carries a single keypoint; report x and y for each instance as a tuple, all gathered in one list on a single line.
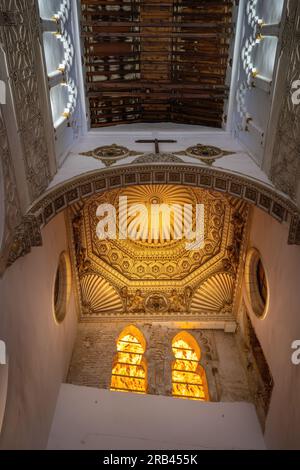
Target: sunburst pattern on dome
[(99, 296), (155, 229), (158, 258), (215, 295)]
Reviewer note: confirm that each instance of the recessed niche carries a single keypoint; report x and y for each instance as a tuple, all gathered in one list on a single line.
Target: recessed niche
[(62, 287), (256, 283), (54, 52), (48, 8), (59, 96)]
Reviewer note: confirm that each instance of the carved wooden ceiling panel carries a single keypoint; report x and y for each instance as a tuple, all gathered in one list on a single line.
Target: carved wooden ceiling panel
[(156, 61), (154, 277)]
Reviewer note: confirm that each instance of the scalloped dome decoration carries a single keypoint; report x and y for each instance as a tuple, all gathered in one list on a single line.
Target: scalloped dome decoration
[(149, 196), (99, 297), (215, 296)]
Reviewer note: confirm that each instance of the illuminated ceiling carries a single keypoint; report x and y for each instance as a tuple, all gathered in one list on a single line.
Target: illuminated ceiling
[(151, 61), (157, 278)]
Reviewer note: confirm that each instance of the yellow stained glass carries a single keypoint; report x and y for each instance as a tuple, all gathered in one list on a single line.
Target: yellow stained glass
[(129, 358), (127, 347), (129, 371), (186, 365), (186, 377), (189, 379), (128, 384)]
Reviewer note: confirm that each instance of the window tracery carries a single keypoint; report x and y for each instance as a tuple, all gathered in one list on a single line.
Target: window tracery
[(188, 376), (129, 373)]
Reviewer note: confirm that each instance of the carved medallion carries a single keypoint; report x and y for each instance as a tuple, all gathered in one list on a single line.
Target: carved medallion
[(110, 154), (157, 303), (205, 153)]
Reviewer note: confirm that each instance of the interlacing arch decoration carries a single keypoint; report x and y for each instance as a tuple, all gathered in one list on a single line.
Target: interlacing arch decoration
[(251, 10), (59, 25), (129, 371), (258, 37), (250, 42), (188, 376)]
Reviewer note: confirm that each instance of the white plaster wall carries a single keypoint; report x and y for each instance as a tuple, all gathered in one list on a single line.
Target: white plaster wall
[(240, 162), (39, 350), (92, 419), (280, 328)]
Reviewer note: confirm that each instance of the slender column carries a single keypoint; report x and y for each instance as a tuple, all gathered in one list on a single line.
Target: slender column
[(262, 83), (270, 30), (50, 25)]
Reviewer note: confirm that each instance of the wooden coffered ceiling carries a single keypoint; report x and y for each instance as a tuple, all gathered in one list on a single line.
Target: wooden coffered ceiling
[(156, 60)]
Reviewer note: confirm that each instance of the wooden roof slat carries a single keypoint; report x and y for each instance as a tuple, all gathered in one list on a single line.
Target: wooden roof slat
[(156, 60)]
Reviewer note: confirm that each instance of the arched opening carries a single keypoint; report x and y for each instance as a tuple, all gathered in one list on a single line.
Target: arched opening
[(129, 372), (188, 376)]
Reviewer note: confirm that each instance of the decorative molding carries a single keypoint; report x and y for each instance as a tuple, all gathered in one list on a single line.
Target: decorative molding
[(277, 206), (158, 158), (257, 194), (285, 168)]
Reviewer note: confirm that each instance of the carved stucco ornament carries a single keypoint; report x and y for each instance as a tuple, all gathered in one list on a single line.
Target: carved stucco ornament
[(285, 167), (110, 154), (205, 153), (26, 236), (19, 36), (158, 158)]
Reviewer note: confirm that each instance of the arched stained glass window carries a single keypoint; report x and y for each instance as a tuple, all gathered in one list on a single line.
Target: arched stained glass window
[(129, 373), (188, 376)]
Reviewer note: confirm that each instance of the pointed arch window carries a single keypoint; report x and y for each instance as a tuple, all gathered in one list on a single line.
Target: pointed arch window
[(129, 372), (188, 376)]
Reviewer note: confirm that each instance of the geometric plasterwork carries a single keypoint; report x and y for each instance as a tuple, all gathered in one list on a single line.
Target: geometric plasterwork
[(205, 153), (10, 203), (111, 154), (158, 278), (19, 37), (285, 169)]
